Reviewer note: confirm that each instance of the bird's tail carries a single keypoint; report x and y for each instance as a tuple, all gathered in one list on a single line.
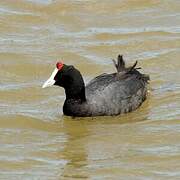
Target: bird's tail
[(122, 69), (120, 65)]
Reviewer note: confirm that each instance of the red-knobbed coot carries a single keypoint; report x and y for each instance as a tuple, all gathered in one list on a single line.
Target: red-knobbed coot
[(105, 95)]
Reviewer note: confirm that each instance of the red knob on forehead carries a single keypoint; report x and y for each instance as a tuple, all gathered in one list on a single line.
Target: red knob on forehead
[(59, 65)]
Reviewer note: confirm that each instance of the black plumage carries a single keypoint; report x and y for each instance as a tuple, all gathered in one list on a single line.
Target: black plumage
[(105, 95)]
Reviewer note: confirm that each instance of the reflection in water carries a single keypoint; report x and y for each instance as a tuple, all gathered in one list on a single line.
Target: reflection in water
[(81, 132), (75, 149)]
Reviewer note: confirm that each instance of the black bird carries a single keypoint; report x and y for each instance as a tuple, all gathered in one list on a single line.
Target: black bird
[(105, 95)]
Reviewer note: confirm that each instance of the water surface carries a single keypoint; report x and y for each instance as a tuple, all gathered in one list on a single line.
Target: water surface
[(37, 141)]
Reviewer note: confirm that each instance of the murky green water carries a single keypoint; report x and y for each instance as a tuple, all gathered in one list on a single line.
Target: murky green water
[(36, 140)]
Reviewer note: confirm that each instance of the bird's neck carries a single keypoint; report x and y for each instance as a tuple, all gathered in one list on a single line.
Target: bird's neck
[(75, 87), (76, 93)]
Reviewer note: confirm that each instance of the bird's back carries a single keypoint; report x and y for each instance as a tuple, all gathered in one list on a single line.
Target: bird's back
[(112, 94)]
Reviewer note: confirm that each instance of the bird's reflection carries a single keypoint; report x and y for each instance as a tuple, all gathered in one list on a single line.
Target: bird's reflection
[(75, 148), (81, 132)]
